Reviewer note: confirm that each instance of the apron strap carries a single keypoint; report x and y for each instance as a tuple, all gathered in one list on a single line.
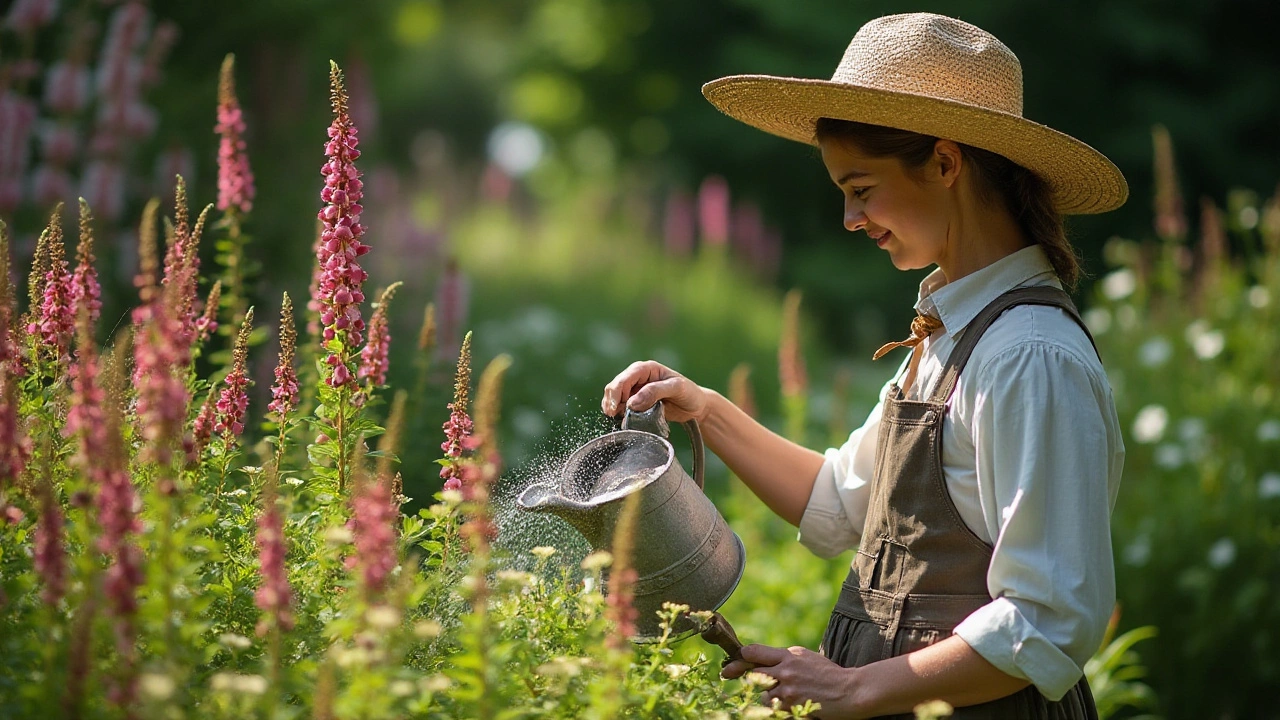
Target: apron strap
[(1036, 295)]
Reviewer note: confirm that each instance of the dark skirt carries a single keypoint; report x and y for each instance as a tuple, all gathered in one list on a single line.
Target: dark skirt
[(853, 642)]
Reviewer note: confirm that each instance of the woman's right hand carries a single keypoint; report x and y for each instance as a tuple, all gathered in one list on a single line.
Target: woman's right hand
[(644, 383)]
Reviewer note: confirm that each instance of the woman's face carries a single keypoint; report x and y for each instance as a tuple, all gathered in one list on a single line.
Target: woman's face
[(904, 214)]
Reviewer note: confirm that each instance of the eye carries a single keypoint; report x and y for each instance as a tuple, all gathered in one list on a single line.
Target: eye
[(860, 192)]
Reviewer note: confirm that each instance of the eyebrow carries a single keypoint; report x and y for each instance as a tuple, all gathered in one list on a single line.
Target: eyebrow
[(851, 175)]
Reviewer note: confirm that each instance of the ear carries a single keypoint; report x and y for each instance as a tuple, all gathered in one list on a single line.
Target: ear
[(949, 159)]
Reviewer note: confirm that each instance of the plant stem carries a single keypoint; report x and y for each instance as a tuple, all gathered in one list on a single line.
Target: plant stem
[(342, 439)]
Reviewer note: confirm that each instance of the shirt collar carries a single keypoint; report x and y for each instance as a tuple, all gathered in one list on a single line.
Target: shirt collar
[(957, 303)]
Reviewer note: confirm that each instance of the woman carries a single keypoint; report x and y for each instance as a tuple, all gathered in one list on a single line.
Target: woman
[(979, 490)]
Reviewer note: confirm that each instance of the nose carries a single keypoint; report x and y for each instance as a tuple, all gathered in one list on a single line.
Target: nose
[(854, 218)]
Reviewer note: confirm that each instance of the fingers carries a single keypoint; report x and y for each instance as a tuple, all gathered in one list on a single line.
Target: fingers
[(618, 392), (645, 397), (736, 669), (764, 655)]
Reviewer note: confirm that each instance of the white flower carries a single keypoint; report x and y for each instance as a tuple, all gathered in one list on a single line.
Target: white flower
[(451, 498), (676, 671), (1150, 424), (608, 340), (156, 686), (759, 680), (1098, 320), (1248, 217), (434, 683), (561, 666), (1155, 352), (1127, 317), (401, 688), (1259, 296), (294, 481), (1222, 553), (382, 617), (338, 535), (1191, 429), (1119, 284), (1269, 486), (1209, 345), (234, 641), (934, 709), (1138, 552), (1169, 456), (514, 579), (543, 551), (237, 683), (1269, 431), (597, 560), (428, 629)]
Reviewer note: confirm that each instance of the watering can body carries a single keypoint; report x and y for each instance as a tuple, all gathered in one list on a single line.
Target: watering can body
[(684, 551)]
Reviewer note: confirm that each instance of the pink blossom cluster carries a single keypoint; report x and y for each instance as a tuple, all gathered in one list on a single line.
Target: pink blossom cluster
[(619, 606), (234, 401), (235, 179), (50, 556), (117, 502), (678, 225), (458, 437), (164, 331), (713, 210), (284, 392), (453, 296), (374, 356), (86, 291), (67, 87), (66, 93), (15, 446), (339, 289), (207, 323), (202, 426), (273, 595), (373, 527), (122, 116), (17, 120), (55, 324), (27, 16), (159, 356), (86, 417)]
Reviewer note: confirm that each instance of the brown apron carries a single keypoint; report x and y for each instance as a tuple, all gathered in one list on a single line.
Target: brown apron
[(920, 570)]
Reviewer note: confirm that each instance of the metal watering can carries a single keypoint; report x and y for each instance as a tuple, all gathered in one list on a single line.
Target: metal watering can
[(684, 551)]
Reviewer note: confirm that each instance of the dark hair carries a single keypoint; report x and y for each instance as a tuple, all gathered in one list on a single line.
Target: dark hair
[(1023, 193)]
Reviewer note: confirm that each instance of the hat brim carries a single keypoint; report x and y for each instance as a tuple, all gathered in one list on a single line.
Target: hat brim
[(1083, 180)]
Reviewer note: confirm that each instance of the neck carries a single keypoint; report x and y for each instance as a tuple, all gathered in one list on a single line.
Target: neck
[(977, 236)]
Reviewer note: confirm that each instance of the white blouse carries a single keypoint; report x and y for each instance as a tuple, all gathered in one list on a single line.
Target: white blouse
[(1031, 455)]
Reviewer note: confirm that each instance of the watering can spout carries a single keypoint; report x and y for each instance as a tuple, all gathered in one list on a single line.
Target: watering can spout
[(545, 498)]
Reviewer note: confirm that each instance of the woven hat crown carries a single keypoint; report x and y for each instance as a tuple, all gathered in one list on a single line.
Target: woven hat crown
[(936, 56), (935, 76)]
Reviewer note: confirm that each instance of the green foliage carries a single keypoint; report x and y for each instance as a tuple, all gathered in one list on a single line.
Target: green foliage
[(1188, 338)]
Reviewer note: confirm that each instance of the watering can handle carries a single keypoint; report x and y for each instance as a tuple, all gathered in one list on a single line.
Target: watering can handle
[(699, 451), (654, 420)]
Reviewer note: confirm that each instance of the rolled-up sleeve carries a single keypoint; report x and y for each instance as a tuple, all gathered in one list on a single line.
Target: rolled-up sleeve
[(833, 519), (1048, 449)]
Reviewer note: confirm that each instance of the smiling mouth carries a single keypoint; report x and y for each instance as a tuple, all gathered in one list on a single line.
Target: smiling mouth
[(883, 239)]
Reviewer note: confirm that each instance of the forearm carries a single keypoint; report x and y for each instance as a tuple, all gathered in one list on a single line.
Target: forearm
[(778, 471), (949, 670)]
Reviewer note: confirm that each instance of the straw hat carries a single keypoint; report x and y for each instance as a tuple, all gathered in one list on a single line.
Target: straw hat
[(937, 76)]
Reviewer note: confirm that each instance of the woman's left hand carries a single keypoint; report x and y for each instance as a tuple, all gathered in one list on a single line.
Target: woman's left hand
[(802, 674)]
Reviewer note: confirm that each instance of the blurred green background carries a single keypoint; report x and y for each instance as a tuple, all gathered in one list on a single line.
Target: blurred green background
[(560, 152)]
